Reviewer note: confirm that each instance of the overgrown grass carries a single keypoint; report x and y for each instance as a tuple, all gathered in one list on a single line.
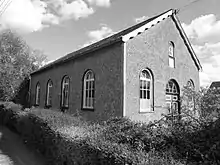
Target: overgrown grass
[(64, 139)]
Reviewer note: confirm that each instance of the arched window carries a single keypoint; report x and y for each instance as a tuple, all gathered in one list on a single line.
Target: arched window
[(190, 84), (65, 92), (37, 94), (88, 90), (49, 93), (171, 55), (171, 88), (172, 97), (146, 91)]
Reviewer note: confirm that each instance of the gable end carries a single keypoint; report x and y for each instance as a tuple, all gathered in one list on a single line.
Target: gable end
[(148, 25), (186, 41)]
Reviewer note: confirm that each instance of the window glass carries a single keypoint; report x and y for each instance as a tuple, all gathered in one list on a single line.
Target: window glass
[(49, 93), (171, 55), (65, 92), (89, 90), (146, 92), (37, 97)]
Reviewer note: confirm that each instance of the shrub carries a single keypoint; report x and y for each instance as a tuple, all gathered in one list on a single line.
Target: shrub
[(65, 139), (56, 119), (11, 105), (9, 113)]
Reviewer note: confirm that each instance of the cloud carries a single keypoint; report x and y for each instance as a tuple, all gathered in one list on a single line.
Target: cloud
[(27, 16), (204, 29), (100, 3), (140, 19), (76, 9), (99, 34), (22, 14), (204, 34), (204, 79), (205, 54), (209, 55), (209, 74)]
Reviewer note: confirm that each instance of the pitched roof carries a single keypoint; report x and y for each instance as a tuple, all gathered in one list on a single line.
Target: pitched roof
[(123, 35), (215, 84)]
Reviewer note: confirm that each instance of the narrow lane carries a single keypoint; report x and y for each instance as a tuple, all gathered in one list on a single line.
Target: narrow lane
[(14, 152)]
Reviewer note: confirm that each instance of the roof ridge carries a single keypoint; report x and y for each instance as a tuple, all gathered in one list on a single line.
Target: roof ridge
[(105, 41)]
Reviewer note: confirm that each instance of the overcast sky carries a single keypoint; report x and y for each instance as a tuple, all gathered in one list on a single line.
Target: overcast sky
[(61, 26)]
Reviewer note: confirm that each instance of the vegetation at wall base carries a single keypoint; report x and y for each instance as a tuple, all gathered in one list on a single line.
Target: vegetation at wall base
[(65, 140)]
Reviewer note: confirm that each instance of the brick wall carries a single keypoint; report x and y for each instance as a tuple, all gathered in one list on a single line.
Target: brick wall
[(147, 50), (150, 50), (107, 65)]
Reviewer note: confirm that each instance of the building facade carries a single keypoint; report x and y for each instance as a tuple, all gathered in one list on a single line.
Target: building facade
[(137, 73)]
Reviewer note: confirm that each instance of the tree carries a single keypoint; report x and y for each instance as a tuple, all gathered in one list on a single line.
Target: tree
[(203, 104), (17, 61)]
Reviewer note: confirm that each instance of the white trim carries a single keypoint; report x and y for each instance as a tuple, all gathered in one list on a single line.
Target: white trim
[(141, 29), (30, 92), (124, 78), (37, 94), (85, 80), (62, 92), (171, 49), (49, 87), (151, 100)]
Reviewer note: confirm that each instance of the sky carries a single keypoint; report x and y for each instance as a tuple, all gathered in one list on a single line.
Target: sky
[(59, 27)]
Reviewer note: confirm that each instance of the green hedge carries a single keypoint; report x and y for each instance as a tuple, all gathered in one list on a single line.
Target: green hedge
[(9, 113), (65, 140)]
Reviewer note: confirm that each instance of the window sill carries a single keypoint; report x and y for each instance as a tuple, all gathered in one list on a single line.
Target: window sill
[(174, 115), (63, 109), (88, 109), (48, 106), (144, 112)]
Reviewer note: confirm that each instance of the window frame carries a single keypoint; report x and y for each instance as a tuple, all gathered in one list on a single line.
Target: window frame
[(88, 103), (63, 94), (37, 94), (48, 93), (172, 97), (171, 55), (190, 84), (149, 83), (170, 88)]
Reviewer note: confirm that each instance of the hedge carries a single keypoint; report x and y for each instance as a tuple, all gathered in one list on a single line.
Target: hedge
[(64, 139), (67, 140)]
